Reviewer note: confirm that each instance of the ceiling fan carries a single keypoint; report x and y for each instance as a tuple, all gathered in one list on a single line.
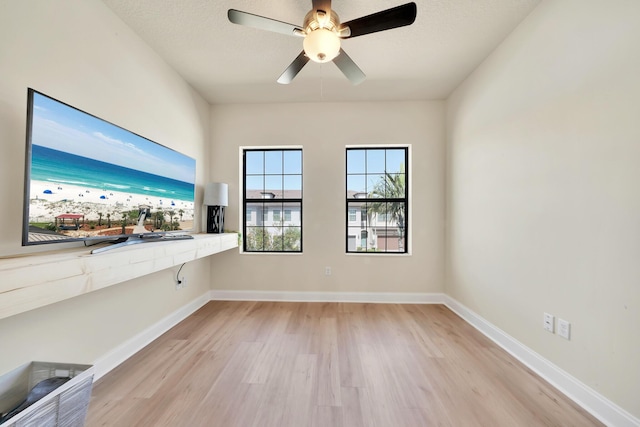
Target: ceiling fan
[(322, 32)]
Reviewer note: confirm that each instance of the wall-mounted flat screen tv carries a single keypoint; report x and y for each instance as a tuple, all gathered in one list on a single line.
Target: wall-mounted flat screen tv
[(88, 179)]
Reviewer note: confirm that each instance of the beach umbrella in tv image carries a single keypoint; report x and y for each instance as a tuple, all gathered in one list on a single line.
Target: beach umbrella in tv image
[(47, 192)]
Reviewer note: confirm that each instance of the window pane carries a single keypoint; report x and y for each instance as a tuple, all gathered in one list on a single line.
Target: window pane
[(287, 239), (375, 161), (364, 240), (391, 213), (355, 161), (254, 186), (254, 162), (381, 242), (273, 162), (294, 215), (395, 161), (356, 207), (276, 215), (393, 231), (394, 186), (273, 184), (293, 162), (254, 207), (357, 220), (353, 242), (356, 185), (256, 239), (287, 215), (376, 185), (365, 220), (397, 215), (293, 183), (274, 239), (390, 241)]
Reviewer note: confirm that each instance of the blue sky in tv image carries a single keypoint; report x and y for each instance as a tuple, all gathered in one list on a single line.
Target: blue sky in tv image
[(64, 128)]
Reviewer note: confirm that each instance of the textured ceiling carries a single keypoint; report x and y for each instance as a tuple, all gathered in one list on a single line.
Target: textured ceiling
[(228, 63)]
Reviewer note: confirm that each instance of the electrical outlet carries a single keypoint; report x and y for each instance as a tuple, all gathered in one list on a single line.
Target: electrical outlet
[(548, 322), (564, 328), (327, 271), (178, 285)]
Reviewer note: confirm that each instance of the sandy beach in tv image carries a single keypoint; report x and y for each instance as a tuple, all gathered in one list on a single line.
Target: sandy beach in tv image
[(50, 200), (89, 177)]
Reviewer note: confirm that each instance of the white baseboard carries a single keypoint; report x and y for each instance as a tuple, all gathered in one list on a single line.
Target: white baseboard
[(363, 297), (597, 405), (136, 343)]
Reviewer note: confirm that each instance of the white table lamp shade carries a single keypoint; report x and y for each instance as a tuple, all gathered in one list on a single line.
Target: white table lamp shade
[(216, 194)]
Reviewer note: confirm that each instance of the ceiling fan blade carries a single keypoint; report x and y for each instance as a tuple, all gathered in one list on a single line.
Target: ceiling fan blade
[(349, 68), (395, 17), (293, 69), (262, 23)]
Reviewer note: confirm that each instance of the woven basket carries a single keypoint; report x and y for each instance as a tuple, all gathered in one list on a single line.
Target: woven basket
[(65, 406)]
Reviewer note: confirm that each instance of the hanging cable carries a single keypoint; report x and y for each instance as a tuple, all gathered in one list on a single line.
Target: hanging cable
[(178, 274)]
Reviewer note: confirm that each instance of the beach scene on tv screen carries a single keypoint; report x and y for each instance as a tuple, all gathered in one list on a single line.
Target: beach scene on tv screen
[(90, 178)]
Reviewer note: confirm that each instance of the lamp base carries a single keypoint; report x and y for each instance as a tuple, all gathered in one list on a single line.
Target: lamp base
[(215, 219)]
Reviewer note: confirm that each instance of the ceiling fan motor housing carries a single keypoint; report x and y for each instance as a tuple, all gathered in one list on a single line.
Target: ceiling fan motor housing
[(322, 40)]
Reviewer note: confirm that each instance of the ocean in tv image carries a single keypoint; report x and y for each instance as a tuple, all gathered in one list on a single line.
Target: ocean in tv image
[(89, 178)]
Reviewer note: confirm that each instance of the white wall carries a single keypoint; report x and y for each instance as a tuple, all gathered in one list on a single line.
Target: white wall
[(543, 200), (323, 130), (79, 52)]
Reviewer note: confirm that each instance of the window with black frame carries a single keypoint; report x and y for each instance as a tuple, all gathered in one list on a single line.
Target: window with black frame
[(377, 199), (272, 200)]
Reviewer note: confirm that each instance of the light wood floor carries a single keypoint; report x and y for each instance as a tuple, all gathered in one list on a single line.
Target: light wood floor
[(326, 364)]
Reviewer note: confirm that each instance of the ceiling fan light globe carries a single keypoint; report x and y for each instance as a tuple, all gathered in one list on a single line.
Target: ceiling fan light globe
[(321, 45)]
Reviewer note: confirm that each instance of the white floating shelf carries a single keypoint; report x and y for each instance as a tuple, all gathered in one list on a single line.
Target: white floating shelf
[(35, 280)]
